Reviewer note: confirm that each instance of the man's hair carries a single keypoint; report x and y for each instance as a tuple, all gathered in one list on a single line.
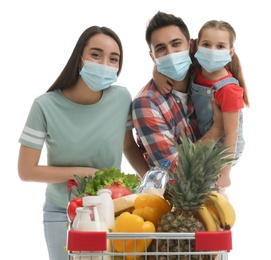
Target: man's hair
[(161, 20)]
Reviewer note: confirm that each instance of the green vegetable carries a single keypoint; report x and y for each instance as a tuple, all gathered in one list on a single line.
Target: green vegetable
[(107, 176)]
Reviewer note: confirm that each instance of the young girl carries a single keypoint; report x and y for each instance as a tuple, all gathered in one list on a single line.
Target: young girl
[(216, 73)]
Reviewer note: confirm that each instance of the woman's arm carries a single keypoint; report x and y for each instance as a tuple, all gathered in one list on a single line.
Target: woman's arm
[(231, 123), (134, 155), (30, 170)]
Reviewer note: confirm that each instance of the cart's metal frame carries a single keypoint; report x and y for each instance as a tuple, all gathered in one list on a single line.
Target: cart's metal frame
[(212, 250)]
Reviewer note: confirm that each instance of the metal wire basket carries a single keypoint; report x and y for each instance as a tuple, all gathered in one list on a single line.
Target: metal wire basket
[(100, 245)]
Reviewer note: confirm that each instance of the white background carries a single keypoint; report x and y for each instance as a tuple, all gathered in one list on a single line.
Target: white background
[(37, 38)]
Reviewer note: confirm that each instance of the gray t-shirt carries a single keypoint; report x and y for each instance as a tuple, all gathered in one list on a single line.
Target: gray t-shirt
[(78, 135)]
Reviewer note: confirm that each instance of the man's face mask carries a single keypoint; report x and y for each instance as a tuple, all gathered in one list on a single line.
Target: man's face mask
[(174, 65)]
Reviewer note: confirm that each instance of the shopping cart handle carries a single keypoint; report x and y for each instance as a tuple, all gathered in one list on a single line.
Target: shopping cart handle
[(213, 241), (86, 241)]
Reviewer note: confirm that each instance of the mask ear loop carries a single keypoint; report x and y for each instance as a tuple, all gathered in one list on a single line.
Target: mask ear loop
[(80, 68)]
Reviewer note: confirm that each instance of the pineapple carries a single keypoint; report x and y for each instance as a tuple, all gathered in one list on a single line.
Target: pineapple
[(197, 171)]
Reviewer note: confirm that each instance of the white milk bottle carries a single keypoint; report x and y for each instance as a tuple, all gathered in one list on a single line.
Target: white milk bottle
[(77, 217), (90, 219), (107, 207)]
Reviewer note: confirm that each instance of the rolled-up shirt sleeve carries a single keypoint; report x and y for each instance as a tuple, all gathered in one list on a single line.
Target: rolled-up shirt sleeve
[(153, 131)]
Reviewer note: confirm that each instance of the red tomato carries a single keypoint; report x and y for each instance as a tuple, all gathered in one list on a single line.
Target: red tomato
[(73, 205)]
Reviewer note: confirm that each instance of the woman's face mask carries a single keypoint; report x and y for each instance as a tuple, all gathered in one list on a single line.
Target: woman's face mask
[(98, 76)]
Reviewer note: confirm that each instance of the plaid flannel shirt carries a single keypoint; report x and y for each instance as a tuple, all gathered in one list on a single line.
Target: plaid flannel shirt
[(157, 118)]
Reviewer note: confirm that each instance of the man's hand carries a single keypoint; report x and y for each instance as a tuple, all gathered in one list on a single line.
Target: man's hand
[(217, 129), (163, 84), (217, 117)]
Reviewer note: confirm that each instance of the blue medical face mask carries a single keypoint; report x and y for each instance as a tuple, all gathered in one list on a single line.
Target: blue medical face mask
[(174, 65), (98, 76), (212, 60)]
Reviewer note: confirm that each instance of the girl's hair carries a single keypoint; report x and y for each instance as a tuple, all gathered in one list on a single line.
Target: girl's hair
[(161, 20), (234, 66), (70, 74)]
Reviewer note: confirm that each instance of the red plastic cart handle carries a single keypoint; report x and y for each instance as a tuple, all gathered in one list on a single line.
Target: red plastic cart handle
[(213, 241), (86, 241)]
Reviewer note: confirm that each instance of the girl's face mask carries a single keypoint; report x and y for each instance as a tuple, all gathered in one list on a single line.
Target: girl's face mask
[(212, 60)]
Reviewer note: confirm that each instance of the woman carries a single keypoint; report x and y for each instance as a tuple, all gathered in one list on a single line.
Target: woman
[(82, 120)]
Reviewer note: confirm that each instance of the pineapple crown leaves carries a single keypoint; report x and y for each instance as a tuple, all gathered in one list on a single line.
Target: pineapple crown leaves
[(196, 172), (79, 189)]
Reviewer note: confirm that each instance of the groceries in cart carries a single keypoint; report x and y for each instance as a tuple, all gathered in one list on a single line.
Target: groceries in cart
[(190, 220)]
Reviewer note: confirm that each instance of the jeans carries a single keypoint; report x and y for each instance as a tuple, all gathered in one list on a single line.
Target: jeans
[(55, 230)]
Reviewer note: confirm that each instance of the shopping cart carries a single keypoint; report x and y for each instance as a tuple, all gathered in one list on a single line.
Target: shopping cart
[(201, 245)]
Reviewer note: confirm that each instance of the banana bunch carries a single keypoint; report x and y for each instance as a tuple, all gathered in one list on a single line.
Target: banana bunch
[(206, 217), (218, 214)]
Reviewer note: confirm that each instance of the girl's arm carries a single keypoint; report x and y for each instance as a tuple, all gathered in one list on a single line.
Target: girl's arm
[(30, 170), (134, 155), (231, 122), (163, 84)]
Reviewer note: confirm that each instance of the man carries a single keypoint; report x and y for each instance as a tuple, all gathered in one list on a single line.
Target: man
[(158, 118)]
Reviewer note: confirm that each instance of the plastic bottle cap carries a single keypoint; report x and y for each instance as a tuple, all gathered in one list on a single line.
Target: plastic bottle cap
[(89, 200), (85, 211), (79, 209), (104, 191), (166, 163)]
